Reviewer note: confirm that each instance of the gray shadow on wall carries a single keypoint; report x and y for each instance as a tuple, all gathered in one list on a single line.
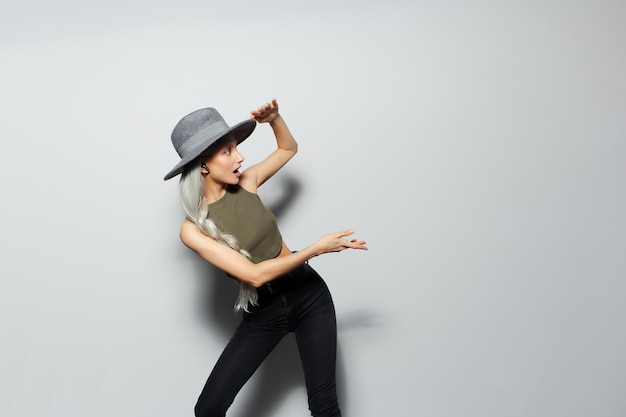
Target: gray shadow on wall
[(281, 372)]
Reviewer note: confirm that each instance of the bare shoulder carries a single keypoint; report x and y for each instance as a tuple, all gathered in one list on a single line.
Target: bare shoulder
[(188, 227), (191, 235)]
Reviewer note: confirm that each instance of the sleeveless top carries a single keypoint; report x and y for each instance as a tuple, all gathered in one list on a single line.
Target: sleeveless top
[(242, 214)]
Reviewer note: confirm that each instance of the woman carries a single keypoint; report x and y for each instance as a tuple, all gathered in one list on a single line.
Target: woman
[(228, 226)]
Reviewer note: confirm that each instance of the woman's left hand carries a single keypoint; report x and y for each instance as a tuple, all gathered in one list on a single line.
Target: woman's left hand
[(265, 113)]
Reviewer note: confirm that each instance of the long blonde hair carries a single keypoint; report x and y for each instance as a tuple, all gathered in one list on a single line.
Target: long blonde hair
[(197, 209)]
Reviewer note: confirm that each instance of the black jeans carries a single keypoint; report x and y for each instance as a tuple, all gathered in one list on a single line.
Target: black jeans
[(297, 302)]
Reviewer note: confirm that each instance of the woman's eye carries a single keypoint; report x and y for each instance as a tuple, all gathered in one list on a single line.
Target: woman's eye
[(227, 151)]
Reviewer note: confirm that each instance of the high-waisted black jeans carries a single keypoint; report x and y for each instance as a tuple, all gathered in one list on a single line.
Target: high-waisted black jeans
[(297, 302)]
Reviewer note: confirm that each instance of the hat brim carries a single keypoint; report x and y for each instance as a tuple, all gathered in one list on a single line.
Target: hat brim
[(240, 131)]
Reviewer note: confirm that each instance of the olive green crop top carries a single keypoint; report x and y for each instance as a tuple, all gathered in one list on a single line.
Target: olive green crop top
[(242, 214)]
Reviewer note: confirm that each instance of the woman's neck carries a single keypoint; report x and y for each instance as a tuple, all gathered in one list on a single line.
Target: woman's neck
[(214, 191)]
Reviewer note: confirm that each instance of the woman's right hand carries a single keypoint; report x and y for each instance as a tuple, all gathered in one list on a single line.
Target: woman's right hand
[(336, 242)]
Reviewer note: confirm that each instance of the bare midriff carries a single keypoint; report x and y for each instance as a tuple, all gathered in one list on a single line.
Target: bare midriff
[(283, 251)]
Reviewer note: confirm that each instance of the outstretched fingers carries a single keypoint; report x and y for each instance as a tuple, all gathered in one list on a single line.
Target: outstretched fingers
[(353, 243), (356, 244)]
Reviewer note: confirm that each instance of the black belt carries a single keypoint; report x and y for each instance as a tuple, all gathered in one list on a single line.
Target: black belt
[(279, 284)]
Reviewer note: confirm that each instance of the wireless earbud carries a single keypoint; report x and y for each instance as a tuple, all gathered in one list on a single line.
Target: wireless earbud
[(204, 166)]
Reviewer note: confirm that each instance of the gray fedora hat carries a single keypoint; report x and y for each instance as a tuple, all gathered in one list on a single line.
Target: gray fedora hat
[(199, 130)]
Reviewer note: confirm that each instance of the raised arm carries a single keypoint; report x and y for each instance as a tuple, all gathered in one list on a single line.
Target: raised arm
[(287, 147), (240, 267)]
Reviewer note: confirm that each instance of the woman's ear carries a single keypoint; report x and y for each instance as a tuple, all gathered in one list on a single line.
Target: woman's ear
[(203, 169)]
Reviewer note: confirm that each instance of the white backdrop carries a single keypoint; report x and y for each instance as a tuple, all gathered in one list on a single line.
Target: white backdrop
[(479, 149)]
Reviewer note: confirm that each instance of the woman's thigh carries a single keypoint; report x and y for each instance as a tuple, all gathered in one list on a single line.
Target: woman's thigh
[(246, 350)]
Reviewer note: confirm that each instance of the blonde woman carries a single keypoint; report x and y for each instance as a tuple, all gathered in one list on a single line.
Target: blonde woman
[(228, 226)]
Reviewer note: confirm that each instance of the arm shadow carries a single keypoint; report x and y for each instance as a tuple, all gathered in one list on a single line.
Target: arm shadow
[(291, 189)]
